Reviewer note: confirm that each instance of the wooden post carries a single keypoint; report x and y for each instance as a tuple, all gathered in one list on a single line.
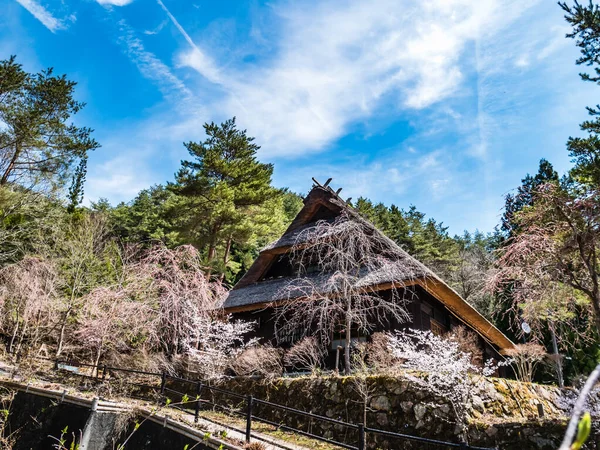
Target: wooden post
[(337, 359), (248, 418), (540, 408)]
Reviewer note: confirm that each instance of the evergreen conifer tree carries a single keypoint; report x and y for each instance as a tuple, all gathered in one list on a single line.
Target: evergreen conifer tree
[(585, 151), (226, 192)]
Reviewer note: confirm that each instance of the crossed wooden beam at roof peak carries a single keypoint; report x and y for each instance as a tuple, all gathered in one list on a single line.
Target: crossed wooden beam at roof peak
[(336, 193)]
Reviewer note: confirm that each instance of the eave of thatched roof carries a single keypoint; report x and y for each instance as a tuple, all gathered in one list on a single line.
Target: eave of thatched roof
[(272, 291), (464, 311)]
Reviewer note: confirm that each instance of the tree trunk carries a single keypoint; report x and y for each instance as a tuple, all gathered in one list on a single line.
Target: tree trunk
[(212, 251), (212, 247), (21, 338), (14, 336), (35, 335), (594, 296), (227, 250), (11, 165), (559, 371), (596, 303), (61, 338), (97, 361), (348, 337)]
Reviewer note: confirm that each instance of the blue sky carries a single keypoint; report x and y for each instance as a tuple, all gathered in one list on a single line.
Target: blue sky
[(444, 104)]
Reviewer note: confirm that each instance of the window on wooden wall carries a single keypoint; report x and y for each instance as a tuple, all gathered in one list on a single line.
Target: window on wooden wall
[(339, 337), (437, 328), (288, 334), (427, 309)]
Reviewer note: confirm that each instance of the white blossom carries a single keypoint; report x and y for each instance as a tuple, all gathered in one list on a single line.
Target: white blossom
[(214, 343), (443, 369)]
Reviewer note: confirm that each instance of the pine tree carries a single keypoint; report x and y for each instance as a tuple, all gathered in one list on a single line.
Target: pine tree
[(292, 204), (37, 144), (146, 219), (524, 196), (585, 151), (226, 193)]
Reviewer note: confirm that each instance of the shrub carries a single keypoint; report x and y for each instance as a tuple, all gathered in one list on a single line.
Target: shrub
[(378, 354), (525, 358), (261, 360), (307, 354)]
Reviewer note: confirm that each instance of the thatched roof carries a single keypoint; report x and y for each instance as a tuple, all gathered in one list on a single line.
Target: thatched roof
[(251, 293), (281, 289), (291, 238)]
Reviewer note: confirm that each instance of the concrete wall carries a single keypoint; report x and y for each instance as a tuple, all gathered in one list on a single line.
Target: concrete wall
[(33, 419)]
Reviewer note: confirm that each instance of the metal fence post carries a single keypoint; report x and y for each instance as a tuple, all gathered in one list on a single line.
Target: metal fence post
[(248, 418), (198, 394), (103, 372), (361, 436)]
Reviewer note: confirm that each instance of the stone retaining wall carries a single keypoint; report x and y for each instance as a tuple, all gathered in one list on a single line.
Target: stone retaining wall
[(501, 412)]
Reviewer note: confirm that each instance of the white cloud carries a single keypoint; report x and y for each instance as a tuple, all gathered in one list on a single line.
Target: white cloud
[(149, 65), (43, 15), (114, 2), (436, 174), (157, 29), (522, 61), (197, 58), (335, 64), (119, 179)]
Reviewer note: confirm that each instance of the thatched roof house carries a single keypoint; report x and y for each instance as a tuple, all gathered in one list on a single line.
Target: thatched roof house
[(434, 304)]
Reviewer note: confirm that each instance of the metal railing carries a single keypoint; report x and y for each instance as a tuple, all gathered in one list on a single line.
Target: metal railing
[(249, 406)]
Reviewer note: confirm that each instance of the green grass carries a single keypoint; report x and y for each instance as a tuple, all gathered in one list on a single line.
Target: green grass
[(269, 430)]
